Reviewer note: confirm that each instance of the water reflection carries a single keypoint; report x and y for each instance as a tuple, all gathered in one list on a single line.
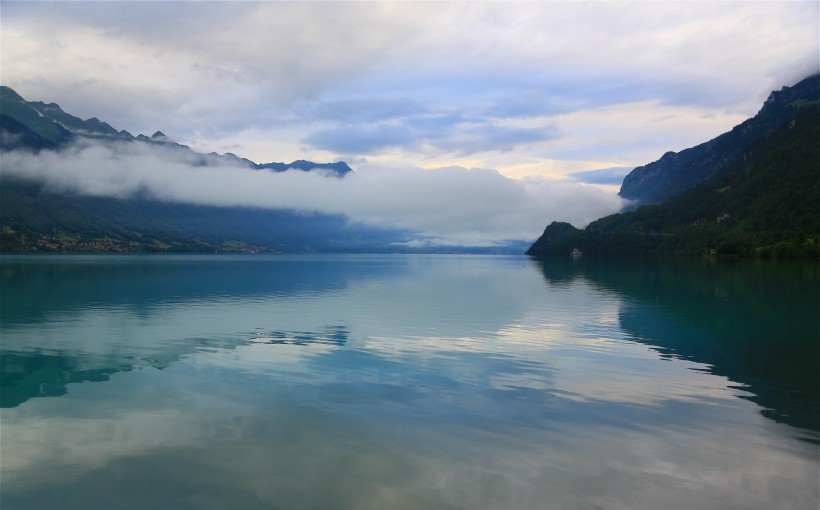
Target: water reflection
[(382, 382), (79, 319), (36, 287), (753, 322), (330, 335), (39, 374)]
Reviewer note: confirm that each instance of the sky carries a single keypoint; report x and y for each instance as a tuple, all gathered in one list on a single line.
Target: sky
[(554, 99)]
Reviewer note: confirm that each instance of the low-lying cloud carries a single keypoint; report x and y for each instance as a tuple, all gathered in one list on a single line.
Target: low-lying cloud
[(451, 205)]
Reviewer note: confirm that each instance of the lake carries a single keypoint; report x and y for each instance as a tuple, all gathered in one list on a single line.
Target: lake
[(408, 382)]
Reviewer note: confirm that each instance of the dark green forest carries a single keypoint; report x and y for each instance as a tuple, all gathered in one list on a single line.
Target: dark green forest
[(765, 204), (675, 172)]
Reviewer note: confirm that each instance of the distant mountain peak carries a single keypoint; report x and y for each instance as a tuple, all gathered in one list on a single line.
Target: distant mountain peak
[(41, 125), (9, 93), (159, 136), (340, 168)]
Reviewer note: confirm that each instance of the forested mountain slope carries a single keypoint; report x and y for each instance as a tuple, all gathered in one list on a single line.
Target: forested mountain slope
[(676, 172), (766, 203)]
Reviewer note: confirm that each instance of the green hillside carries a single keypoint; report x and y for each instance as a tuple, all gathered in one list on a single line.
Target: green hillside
[(15, 107), (676, 172), (765, 204)]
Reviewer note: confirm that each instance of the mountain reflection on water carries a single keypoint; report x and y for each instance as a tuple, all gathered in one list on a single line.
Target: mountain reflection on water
[(754, 322), (405, 382), (52, 289)]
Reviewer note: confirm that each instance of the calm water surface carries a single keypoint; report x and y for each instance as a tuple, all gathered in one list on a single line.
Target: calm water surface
[(408, 382)]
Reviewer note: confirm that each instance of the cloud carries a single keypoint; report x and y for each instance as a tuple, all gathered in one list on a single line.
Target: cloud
[(365, 77), (361, 109), (220, 67), (445, 206)]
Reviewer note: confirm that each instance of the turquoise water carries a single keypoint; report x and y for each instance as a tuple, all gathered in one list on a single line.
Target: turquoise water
[(408, 382)]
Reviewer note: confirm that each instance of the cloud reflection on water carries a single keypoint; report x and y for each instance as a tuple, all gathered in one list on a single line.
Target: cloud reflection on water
[(382, 393)]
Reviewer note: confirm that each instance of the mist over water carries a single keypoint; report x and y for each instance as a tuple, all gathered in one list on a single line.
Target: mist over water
[(454, 205), (407, 382)]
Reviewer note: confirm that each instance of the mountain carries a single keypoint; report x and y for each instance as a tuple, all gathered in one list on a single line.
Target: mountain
[(15, 134), (36, 126), (340, 168), (22, 125), (676, 172), (765, 203), (36, 218)]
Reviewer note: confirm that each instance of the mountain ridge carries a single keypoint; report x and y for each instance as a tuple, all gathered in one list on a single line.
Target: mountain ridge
[(34, 217), (765, 204), (675, 172), (56, 128)]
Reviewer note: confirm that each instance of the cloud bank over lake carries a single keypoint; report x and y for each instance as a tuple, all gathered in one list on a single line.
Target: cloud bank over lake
[(452, 205)]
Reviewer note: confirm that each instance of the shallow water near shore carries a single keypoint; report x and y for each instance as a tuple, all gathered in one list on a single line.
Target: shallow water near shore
[(408, 381)]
